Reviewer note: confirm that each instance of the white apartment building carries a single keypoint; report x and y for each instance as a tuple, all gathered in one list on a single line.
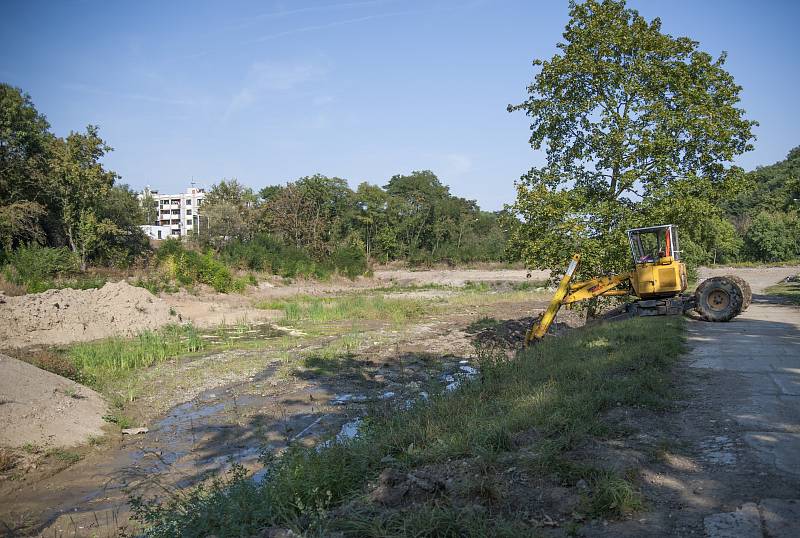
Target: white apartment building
[(173, 215)]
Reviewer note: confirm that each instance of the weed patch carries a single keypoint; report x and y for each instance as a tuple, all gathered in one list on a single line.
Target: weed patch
[(350, 307), (66, 456), (786, 290), (101, 363)]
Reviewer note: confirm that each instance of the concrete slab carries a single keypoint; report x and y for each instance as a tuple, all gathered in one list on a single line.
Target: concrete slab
[(763, 346), (743, 523), (777, 448), (781, 518), (788, 383)]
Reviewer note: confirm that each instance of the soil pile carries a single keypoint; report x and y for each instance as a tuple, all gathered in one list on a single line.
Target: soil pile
[(63, 316), (45, 409)]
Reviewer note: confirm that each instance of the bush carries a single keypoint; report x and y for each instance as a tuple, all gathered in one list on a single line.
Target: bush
[(35, 267), (350, 261), (189, 267), (773, 237), (263, 253)]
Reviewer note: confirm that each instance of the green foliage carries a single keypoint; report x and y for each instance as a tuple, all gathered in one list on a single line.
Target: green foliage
[(637, 126), (773, 188), (773, 237), (187, 267), (103, 362), (264, 253), (55, 191), (557, 389), (25, 140), (36, 267)]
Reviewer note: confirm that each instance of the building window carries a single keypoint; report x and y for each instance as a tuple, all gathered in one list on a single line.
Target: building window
[(189, 201), (199, 203), (188, 222), (159, 234), (188, 211)]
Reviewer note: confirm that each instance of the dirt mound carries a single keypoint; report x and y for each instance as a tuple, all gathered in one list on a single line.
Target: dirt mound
[(45, 409), (509, 334), (64, 316)]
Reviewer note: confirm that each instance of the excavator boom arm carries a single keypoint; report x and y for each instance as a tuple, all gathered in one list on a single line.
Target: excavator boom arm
[(570, 293)]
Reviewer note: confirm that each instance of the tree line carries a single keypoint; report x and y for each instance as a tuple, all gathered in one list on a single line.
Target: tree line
[(638, 127), (414, 217), (55, 193)]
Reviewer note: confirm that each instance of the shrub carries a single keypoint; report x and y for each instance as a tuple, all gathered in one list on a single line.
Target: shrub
[(35, 266), (350, 261), (773, 237), (189, 267), (263, 253)]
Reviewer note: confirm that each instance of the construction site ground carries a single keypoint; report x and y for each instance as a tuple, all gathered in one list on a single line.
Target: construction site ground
[(723, 462)]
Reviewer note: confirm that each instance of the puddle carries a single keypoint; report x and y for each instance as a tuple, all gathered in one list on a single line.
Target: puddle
[(239, 333), (719, 450)]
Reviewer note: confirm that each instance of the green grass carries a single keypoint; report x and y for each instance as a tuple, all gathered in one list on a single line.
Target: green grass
[(102, 363), (786, 290), (66, 456), (558, 389), (348, 307)]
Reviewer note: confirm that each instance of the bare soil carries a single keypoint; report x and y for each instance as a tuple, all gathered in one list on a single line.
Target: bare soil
[(63, 316), (46, 410)]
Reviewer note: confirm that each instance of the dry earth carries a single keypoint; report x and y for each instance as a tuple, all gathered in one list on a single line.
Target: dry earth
[(458, 277), (63, 316), (44, 409)]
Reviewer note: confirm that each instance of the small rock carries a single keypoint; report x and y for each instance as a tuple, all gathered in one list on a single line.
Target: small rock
[(582, 485), (134, 431)]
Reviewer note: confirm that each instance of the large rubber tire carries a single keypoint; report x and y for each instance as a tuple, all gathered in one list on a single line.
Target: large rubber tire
[(747, 293), (719, 299)]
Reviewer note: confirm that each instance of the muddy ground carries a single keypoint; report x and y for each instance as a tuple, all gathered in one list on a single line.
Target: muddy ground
[(203, 413)]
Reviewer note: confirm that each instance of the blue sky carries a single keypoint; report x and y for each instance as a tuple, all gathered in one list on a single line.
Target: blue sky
[(271, 91)]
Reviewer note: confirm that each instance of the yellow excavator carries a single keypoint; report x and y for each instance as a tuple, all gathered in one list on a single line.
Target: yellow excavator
[(658, 280)]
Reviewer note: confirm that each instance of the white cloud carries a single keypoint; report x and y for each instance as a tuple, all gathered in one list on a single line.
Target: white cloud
[(264, 78)]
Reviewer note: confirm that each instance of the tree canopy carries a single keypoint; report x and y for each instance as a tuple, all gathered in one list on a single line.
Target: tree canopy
[(638, 127), (55, 191)]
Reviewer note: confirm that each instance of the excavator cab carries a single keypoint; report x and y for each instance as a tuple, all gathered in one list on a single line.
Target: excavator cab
[(657, 281), (658, 271)]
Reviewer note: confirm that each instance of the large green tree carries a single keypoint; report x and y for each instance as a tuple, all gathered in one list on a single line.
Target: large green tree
[(25, 142), (80, 184), (638, 127), (229, 212)]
